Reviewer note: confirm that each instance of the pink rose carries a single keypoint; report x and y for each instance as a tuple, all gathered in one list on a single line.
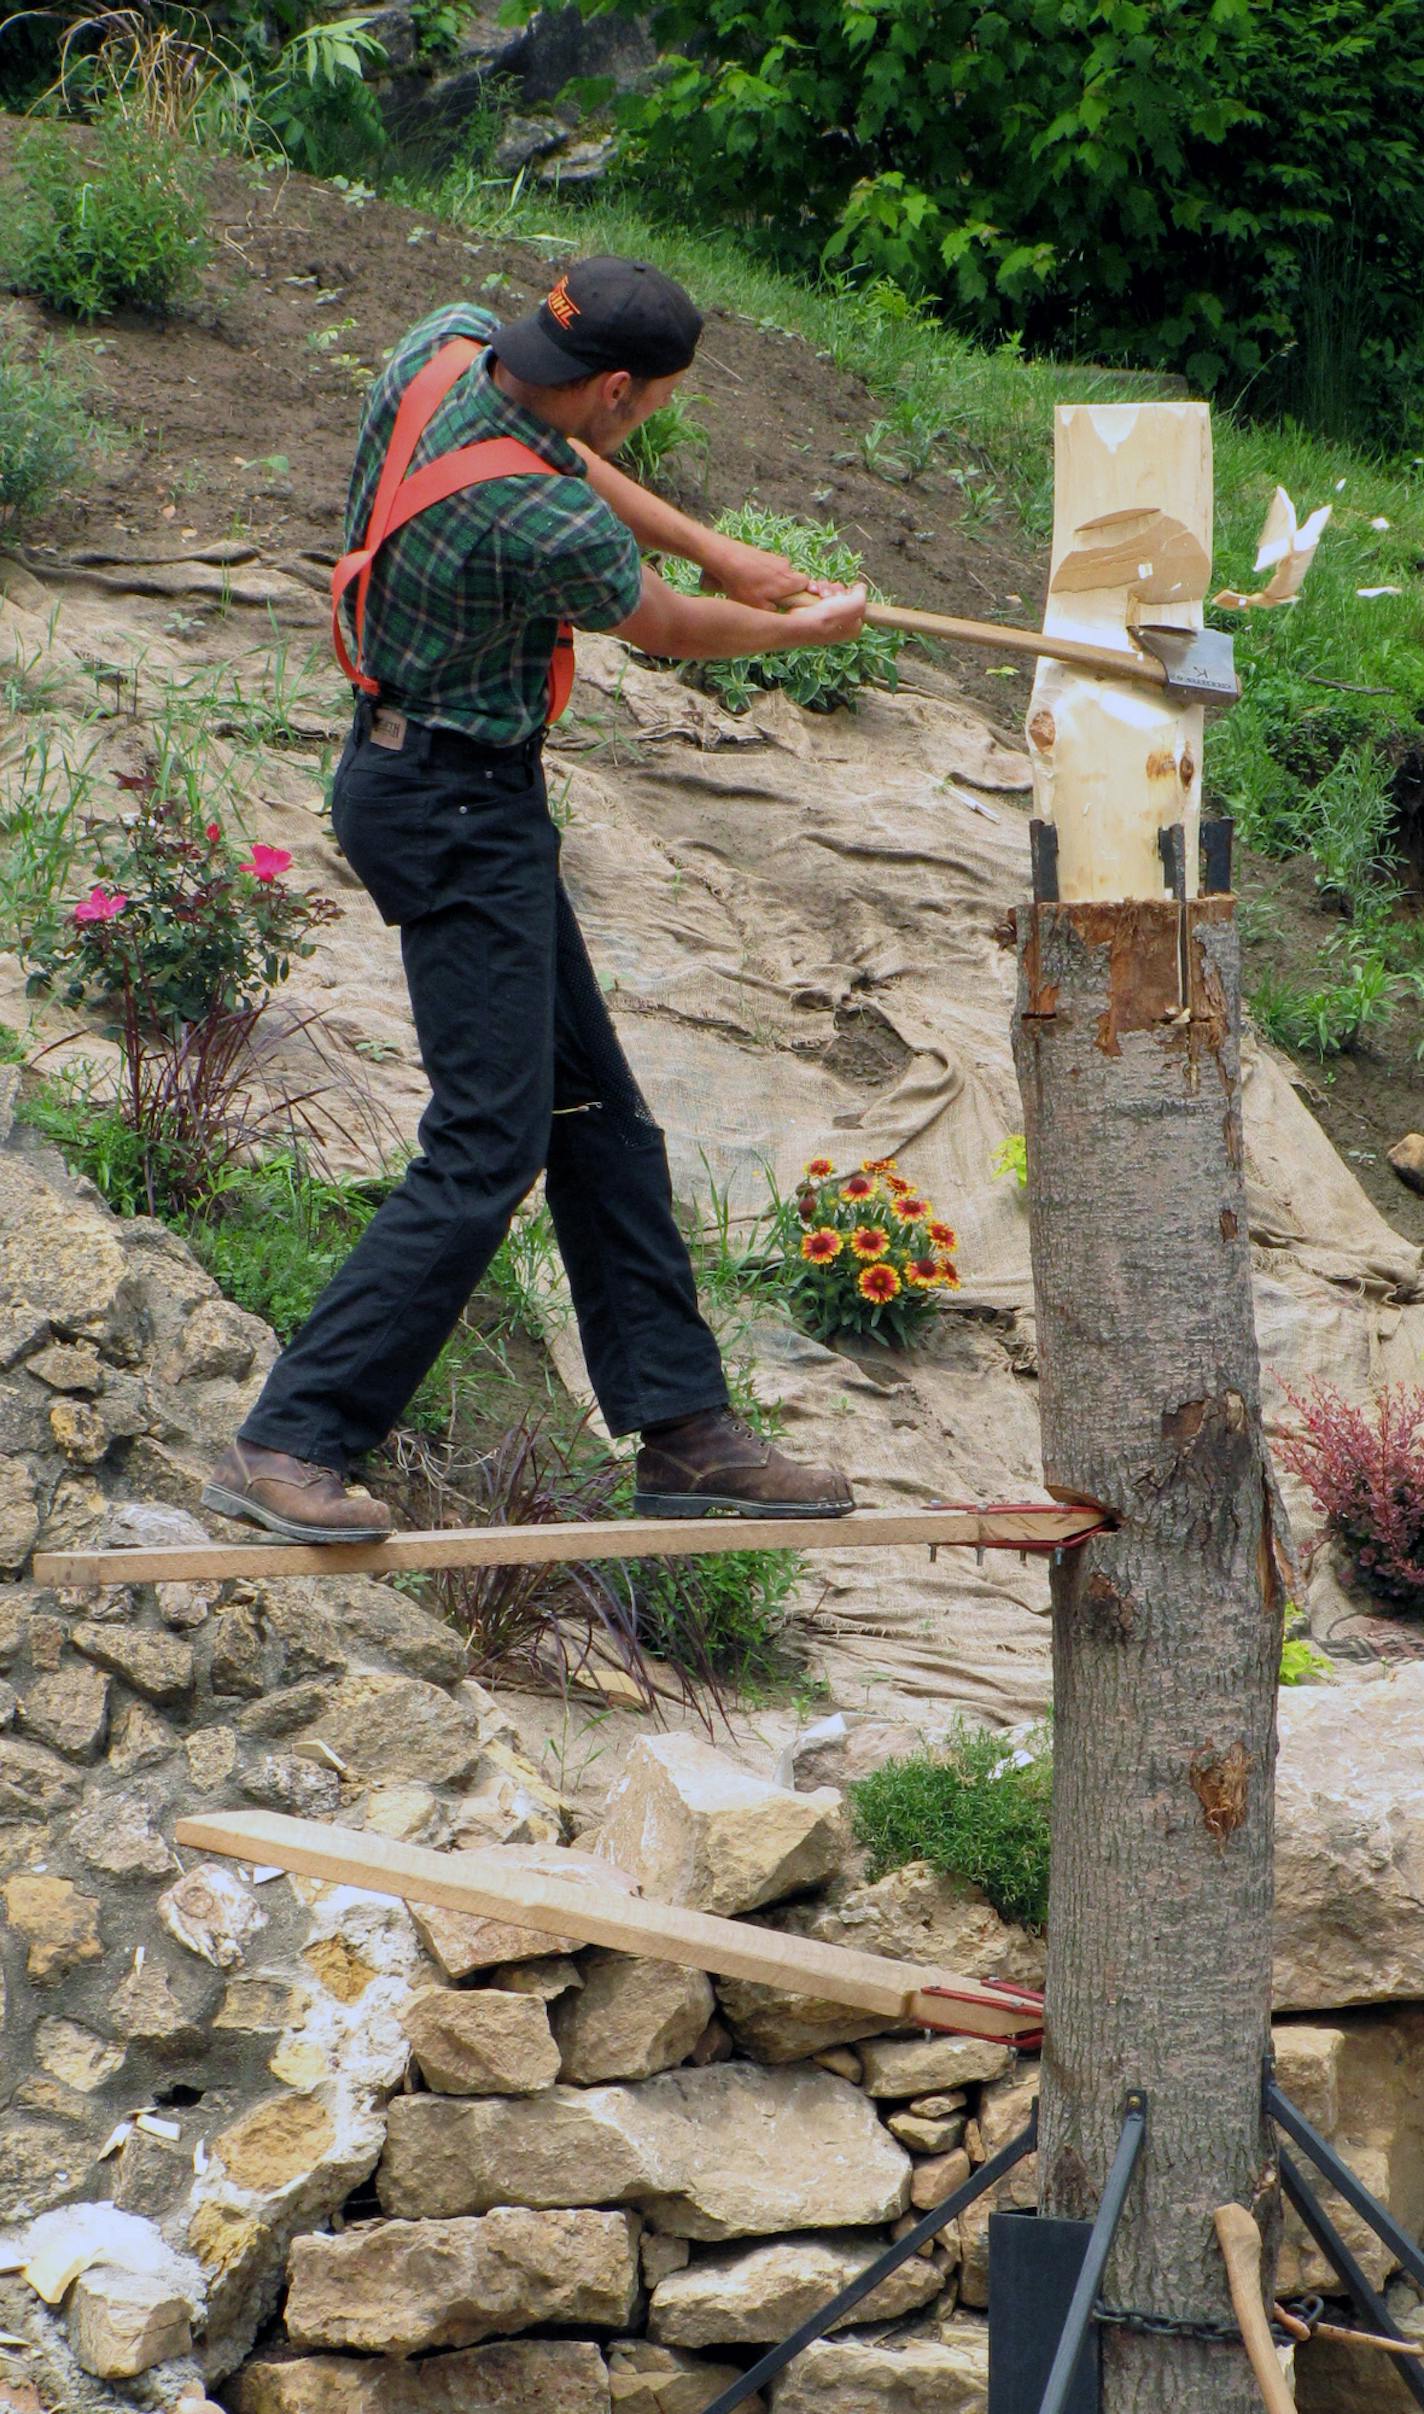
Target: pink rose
[(267, 863), (101, 905), (214, 832)]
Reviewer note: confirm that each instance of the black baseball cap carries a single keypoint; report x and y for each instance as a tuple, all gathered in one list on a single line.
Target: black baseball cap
[(603, 314)]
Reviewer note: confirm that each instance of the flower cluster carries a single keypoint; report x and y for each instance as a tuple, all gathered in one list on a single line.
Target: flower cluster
[(180, 921), (866, 1251)]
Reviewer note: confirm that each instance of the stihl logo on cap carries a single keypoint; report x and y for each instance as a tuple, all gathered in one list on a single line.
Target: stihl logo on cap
[(562, 303)]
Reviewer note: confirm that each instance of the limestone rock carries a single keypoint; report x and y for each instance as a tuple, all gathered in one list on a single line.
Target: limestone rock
[(33, 1783), (65, 1259), (1360, 2080), (938, 2178), (159, 1666), (19, 1514), (383, 1621), (68, 1366), (284, 1781), (275, 2143), (75, 2056), (630, 2019), (693, 1827), (922, 2136), (1407, 1158), (217, 1339), (118, 1835), (944, 2375), (752, 2299), (121, 2322), (729, 2152), (383, 1727), (556, 2376), (1350, 1844), (772, 2024), (460, 1942), (80, 1431), (918, 1914), (481, 2042), (911, 2066), (646, 2379), (59, 1924), (68, 1709), (400, 2287), (148, 2009), (661, 2255), (547, 1979)]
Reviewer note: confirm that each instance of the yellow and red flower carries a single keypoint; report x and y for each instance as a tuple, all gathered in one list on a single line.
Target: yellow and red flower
[(897, 1185), (879, 1283), (823, 1247), (818, 1169), (869, 1240), (922, 1273), (912, 1209), (878, 1164), (948, 1276), (860, 1186), (943, 1235)]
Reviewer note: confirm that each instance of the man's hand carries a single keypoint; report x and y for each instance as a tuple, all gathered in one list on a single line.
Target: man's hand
[(749, 576), (835, 620)]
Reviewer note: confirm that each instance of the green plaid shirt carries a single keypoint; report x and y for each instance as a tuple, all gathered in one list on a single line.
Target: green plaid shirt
[(465, 599)]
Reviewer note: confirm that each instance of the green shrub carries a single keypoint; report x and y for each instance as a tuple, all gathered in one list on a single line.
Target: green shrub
[(819, 677), (736, 1603), (864, 1252), (48, 438), (662, 435), (109, 219), (176, 920), (975, 1809), (1215, 186), (315, 102)]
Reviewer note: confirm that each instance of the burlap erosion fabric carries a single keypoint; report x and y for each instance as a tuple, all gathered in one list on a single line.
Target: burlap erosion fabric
[(794, 917)]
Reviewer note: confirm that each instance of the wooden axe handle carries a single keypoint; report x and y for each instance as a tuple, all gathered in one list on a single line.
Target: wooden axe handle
[(1118, 663), (1241, 2251)]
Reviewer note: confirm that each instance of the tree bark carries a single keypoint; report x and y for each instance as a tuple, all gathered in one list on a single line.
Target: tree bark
[(1166, 1632)]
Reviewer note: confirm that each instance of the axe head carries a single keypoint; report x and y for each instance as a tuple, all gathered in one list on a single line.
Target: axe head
[(1198, 662)]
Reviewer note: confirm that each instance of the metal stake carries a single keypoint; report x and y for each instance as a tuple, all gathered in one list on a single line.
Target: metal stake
[(1085, 2295), (1343, 2180), (1370, 2307)]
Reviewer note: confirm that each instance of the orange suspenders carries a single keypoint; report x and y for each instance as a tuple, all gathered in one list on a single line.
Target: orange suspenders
[(399, 497)]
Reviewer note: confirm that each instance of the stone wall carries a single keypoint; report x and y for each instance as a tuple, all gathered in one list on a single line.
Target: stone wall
[(330, 2155)]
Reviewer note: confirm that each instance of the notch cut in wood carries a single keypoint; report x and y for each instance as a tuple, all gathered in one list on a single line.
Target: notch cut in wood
[(1046, 1526), (493, 1885)]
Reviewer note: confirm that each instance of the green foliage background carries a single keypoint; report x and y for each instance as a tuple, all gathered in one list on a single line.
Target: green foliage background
[(1228, 188)]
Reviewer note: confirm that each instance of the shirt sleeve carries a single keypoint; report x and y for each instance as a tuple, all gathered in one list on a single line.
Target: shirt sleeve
[(580, 564)]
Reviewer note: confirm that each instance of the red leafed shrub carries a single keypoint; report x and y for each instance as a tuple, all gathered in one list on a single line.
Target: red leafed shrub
[(1365, 1471)]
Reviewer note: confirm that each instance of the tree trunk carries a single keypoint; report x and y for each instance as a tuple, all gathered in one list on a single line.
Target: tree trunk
[(1167, 1632)]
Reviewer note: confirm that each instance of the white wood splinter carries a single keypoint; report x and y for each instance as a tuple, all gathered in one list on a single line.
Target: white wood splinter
[(1037, 1526), (1117, 762), (493, 1885)]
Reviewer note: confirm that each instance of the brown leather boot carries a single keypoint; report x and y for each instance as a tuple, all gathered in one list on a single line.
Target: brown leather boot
[(716, 1461), (300, 1502)]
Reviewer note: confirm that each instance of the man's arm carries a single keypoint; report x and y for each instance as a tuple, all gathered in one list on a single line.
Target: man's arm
[(763, 580), (712, 628)]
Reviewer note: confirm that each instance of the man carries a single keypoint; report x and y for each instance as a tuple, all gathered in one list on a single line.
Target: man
[(439, 806)]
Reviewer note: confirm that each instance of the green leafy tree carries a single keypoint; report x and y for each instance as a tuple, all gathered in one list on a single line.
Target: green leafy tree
[(1224, 187)]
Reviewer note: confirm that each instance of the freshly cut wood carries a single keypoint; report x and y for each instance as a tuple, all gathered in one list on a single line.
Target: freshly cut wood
[(1116, 763), (1036, 1526), (1241, 2248), (493, 1884)]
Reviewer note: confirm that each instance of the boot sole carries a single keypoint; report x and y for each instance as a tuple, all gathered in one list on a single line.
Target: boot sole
[(291, 1529), (697, 1504)]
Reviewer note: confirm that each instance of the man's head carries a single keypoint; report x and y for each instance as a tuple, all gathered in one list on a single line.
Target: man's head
[(603, 350)]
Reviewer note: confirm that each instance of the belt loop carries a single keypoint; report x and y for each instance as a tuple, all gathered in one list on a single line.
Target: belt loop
[(361, 719)]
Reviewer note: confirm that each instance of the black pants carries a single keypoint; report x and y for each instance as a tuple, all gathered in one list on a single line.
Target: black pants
[(455, 844)]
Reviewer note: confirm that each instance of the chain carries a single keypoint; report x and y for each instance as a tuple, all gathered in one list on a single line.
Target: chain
[(1208, 2334)]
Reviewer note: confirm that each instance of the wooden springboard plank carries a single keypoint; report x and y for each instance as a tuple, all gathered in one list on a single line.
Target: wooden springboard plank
[(475, 1882), (1034, 1527)]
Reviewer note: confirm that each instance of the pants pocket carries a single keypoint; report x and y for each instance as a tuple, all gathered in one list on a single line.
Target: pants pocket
[(382, 818)]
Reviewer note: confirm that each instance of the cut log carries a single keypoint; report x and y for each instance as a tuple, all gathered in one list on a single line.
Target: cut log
[(1116, 763), (493, 1885)]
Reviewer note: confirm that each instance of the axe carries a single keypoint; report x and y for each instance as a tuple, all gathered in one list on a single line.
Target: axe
[(1199, 663)]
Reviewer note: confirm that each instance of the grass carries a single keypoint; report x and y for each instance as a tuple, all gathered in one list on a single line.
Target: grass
[(49, 439)]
